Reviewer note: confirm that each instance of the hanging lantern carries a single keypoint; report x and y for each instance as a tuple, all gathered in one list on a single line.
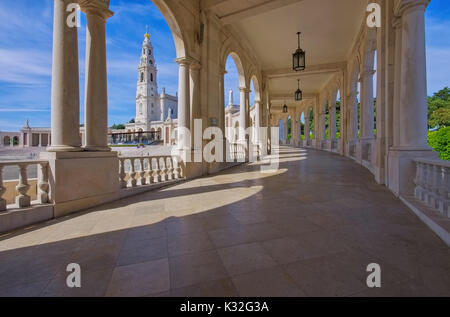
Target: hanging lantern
[(285, 108), (298, 58), (298, 93)]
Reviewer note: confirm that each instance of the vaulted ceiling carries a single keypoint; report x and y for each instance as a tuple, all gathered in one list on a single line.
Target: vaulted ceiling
[(329, 29)]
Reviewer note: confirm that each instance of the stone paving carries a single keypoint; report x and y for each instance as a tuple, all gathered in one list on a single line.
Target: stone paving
[(308, 229)]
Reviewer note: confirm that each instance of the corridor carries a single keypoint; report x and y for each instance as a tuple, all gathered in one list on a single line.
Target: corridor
[(308, 229)]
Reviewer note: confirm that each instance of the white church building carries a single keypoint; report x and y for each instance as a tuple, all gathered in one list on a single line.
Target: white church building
[(155, 112)]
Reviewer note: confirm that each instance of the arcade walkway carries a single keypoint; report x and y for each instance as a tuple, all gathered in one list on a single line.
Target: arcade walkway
[(309, 229)]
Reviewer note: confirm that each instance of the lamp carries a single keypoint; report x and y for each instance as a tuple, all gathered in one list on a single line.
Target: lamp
[(298, 58)]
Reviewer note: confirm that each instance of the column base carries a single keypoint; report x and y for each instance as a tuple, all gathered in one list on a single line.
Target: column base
[(402, 169), (93, 148), (64, 148), (81, 180)]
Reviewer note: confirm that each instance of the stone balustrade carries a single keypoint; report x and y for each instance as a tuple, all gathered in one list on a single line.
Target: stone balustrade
[(23, 200), (237, 151), (433, 184), (146, 170)]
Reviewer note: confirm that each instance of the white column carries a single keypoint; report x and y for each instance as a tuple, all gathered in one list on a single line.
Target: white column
[(367, 105), (96, 91), (65, 100), (242, 114), (413, 95), (184, 104), (195, 98), (40, 140), (332, 119), (257, 120), (352, 115)]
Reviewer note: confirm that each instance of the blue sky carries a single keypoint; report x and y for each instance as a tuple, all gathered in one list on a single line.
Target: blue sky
[(26, 48)]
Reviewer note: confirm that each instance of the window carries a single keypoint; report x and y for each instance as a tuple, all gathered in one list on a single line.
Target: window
[(151, 77), (140, 108), (142, 77)]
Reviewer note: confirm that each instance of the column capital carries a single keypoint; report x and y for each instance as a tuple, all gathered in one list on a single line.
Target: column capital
[(186, 61), (96, 7), (402, 6), (244, 89)]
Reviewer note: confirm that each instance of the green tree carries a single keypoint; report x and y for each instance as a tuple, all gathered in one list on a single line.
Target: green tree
[(118, 127), (440, 118), (440, 100), (132, 121)]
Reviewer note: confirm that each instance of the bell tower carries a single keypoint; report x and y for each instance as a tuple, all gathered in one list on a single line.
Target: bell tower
[(147, 98)]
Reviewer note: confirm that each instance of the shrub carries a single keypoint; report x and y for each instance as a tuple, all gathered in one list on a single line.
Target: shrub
[(440, 142)]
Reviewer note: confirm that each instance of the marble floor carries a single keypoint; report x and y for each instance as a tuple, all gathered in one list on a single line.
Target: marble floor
[(308, 229)]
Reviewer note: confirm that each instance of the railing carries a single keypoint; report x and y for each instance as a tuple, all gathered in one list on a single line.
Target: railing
[(23, 200), (145, 170), (237, 151), (433, 184)]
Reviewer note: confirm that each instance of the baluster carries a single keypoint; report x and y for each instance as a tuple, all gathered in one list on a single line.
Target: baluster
[(437, 185), (434, 181), (418, 181), (2, 191), (132, 174), (122, 174), (429, 183), (158, 170), (163, 170), (23, 200), (177, 168), (43, 184), (142, 172), (171, 169), (151, 179)]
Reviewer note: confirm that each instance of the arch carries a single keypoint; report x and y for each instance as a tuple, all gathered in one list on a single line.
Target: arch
[(181, 44), (15, 141), (240, 68), (257, 87)]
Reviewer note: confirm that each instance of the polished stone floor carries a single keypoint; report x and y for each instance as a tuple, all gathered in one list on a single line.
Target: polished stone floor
[(307, 229)]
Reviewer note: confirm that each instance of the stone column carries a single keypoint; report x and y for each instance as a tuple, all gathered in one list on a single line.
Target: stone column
[(195, 98), (40, 140), (65, 99), (96, 94), (332, 119), (413, 96), (410, 99), (257, 121), (352, 115), (367, 105), (184, 104), (242, 113)]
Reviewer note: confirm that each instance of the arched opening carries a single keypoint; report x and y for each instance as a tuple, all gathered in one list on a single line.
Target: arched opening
[(6, 141), (15, 141), (312, 131), (302, 127), (134, 72), (281, 125), (234, 88)]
